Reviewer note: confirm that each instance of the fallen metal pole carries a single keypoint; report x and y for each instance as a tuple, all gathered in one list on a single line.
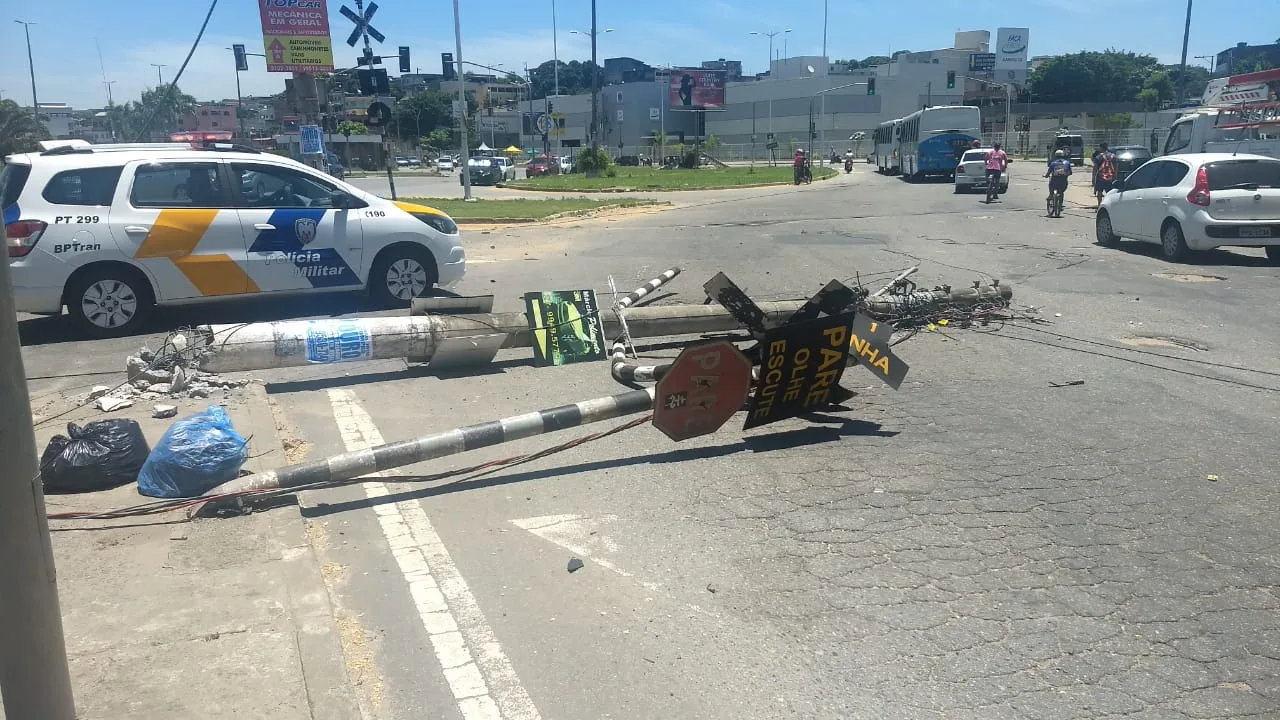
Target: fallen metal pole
[(351, 465), (294, 343)]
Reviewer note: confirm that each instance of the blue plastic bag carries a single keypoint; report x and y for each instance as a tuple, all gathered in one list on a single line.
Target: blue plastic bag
[(195, 455)]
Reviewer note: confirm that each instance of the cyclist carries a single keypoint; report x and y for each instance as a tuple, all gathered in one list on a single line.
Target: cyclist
[(1058, 171), (800, 166), (997, 161), (1104, 171)]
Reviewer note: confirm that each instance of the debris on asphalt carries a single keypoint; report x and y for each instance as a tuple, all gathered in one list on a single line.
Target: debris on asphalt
[(173, 371), (196, 454), (164, 411), (111, 404), (1213, 478), (98, 391), (575, 565), (100, 455), (1069, 383), (713, 588)]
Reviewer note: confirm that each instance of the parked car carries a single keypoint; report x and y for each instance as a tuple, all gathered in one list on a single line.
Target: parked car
[(445, 164), (971, 173), (1072, 145), (483, 171), (414, 160), (402, 161), (540, 166), (566, 164), (629, 160), (1195, 202), (1130, 158), (508, 167)]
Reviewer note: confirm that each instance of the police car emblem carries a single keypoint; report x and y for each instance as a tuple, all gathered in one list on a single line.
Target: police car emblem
[(305, 229)]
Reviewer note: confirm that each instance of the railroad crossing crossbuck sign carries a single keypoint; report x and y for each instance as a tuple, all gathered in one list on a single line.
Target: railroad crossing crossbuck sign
[(362, 23), (706, 385)]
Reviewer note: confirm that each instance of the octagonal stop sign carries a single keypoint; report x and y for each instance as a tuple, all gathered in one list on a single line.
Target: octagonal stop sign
[(706, 385)]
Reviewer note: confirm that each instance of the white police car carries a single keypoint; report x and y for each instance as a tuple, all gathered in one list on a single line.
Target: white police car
[(111, 230)]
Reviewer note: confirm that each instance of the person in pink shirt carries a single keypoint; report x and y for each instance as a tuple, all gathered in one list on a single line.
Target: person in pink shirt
[(997, 161)]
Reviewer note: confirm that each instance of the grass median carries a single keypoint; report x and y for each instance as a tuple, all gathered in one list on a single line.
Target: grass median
[(650, 178), (524, 210)]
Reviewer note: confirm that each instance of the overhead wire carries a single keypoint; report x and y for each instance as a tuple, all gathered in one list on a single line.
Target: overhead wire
[(173, 84)]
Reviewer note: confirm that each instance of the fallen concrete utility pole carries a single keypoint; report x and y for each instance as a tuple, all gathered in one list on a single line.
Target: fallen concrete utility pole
[(293, 343), (889, 305), (351, 465)]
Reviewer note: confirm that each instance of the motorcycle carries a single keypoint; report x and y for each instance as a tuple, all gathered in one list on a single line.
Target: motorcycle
[(848, 165), (803, 174)]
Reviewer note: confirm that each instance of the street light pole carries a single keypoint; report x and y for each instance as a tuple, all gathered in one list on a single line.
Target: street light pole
[(815, 97), (771, 35), (159, 76), (1182, 67), (595, 86), (555, 51), (462, 103), (1008, 109), (824, 28), (31, 65)]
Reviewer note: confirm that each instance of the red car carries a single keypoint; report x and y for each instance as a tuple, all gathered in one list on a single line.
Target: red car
[(541, 166)]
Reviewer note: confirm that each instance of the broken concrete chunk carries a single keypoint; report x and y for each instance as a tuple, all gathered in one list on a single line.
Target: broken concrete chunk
[(179, 381), (164, 411), (98, 391), (146, 354), (135, 367), (575, 565), (162, 388), (111, 404), (142, 385), (198, 391)]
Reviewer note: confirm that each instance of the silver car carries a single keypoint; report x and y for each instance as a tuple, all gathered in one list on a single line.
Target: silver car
[(971, 173)]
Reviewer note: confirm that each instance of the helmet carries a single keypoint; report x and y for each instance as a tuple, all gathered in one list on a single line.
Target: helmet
[(800, 151), (977, 143), (995, 145), (1059, 154)]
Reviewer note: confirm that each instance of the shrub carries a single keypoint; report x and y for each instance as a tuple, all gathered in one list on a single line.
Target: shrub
[(593, 161)]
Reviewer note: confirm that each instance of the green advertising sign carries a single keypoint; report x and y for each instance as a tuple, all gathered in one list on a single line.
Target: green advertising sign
[(565, 326)]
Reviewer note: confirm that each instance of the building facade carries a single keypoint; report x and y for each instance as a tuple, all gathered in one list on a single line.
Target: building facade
[(211, 117), (1245, 58)]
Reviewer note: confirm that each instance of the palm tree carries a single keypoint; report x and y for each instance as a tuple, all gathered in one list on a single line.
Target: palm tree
[(20, 131)]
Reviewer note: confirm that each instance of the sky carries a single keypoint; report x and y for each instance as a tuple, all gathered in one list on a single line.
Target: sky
[(133, 35)]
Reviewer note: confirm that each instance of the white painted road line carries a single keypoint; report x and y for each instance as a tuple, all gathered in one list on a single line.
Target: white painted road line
[(481, 677)]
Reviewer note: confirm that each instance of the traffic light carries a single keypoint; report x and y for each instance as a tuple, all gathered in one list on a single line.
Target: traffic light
[(242, 62), (404, 59), (373, 82), (951, 79), (871, 86), (446, 66)]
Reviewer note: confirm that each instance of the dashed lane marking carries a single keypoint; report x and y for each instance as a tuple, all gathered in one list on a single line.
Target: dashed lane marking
[(483, 682)]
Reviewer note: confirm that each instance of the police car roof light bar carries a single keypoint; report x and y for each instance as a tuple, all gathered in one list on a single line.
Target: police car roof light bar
[(224, 147)]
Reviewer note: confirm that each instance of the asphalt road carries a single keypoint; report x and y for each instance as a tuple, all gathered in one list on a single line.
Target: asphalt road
[(979, 544)]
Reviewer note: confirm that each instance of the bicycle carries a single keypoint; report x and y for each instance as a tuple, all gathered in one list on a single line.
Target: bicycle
[(993, 187), (1053, 204)]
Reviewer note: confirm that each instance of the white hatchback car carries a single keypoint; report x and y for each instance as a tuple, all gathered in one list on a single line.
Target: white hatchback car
[(445, 164), (1196, 201), (111, 230), (971, 173)]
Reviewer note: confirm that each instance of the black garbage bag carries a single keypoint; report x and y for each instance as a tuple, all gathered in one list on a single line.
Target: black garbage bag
[(99, 456)]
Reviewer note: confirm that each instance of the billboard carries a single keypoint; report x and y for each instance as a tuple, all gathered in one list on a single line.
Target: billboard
[(295, 35), (696, 89), (1011, 48), (982, 62)]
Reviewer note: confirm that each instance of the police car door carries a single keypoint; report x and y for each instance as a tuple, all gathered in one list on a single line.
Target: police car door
[(175, 219), (297, 242)]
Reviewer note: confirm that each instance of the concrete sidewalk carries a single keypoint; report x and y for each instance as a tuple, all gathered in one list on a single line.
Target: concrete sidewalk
[(218, 618)]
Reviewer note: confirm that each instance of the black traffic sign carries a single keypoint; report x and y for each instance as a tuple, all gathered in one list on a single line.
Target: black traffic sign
[(869, 342), (379, 115), (800, 368), (723, 290), (362, 23)]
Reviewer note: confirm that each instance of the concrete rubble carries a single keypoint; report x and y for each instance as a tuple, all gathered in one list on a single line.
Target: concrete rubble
[(169, 375)]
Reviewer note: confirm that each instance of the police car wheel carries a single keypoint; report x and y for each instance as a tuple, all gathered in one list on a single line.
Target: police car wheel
[(402, 274), (109, 302)]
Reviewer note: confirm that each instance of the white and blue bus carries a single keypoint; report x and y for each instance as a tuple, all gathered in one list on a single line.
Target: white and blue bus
[(933, 140), (886, 147)]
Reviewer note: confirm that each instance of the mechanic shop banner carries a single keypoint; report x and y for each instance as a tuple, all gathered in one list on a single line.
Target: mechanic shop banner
[(295, 35)]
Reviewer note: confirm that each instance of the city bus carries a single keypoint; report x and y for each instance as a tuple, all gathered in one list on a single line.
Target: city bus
[(885, 139), (933, 139)]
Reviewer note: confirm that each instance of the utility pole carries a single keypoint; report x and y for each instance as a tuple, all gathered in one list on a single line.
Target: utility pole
[(462, 105), (1182, 67), (824, 28), (34, 679), (595, 86), (31, 65)]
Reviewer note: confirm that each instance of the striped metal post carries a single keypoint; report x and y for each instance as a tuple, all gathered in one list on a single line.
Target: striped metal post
[(351, 465), (623, 370)]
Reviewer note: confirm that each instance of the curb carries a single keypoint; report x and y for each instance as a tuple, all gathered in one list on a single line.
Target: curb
[(663, 190), (556, 216), (329, 689)]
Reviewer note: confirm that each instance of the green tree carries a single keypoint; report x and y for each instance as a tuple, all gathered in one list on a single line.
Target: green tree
[(156, 112), (1162, 83), (352, 127), (711, 144), (20, 131), (575, 78), (422, 112), (438, 139), (1149, 98), (1110, 76), (873, 60)]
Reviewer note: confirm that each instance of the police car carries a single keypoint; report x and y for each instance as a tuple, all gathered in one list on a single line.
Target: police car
[(112, 230)]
